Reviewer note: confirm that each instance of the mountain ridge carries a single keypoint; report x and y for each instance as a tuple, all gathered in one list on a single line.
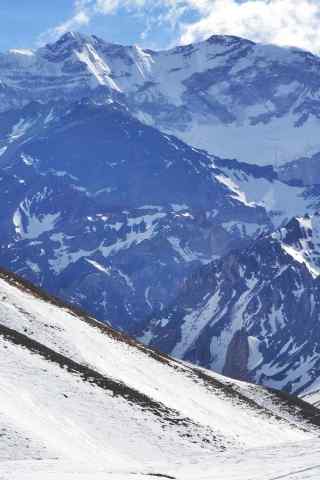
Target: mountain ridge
[(209, 98)]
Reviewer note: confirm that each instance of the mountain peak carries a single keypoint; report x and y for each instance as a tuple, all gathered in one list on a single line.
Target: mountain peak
[(228, 40), (300, 239), (69, 40), (71, 36)]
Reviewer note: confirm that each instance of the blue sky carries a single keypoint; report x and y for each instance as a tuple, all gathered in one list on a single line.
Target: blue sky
[(21, 22), (29, 23), (160, 23)]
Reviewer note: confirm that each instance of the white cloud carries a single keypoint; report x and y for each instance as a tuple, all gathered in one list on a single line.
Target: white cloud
[(78, 20), (82, 16), (283, 22), (107, 7)]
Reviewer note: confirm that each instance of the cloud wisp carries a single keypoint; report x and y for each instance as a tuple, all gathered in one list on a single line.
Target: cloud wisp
[(282, 22), (81, 17)]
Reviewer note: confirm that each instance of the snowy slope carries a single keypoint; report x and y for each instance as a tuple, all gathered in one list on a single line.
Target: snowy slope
[(262, 187), (214, 94), (76, 392), (313, 398), (298, 461)]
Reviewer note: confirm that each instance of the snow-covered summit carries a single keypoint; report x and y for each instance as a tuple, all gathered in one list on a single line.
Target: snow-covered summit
[(206, 93)]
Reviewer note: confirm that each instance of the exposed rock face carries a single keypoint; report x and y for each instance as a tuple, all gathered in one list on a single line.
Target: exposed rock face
[(237, 356), (254, 314)]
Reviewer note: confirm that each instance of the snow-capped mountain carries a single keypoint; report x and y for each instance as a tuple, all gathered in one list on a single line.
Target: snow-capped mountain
[(254, 314), (80, 399), (93, 212), (114, 215), (214, 94)]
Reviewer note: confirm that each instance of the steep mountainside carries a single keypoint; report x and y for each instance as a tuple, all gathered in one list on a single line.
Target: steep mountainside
[(214, 94), (111, 214), (78, 397), (254, 314)]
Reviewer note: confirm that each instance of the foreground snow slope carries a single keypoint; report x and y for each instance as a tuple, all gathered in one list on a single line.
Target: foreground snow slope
[(75, 392), (292, 462)]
